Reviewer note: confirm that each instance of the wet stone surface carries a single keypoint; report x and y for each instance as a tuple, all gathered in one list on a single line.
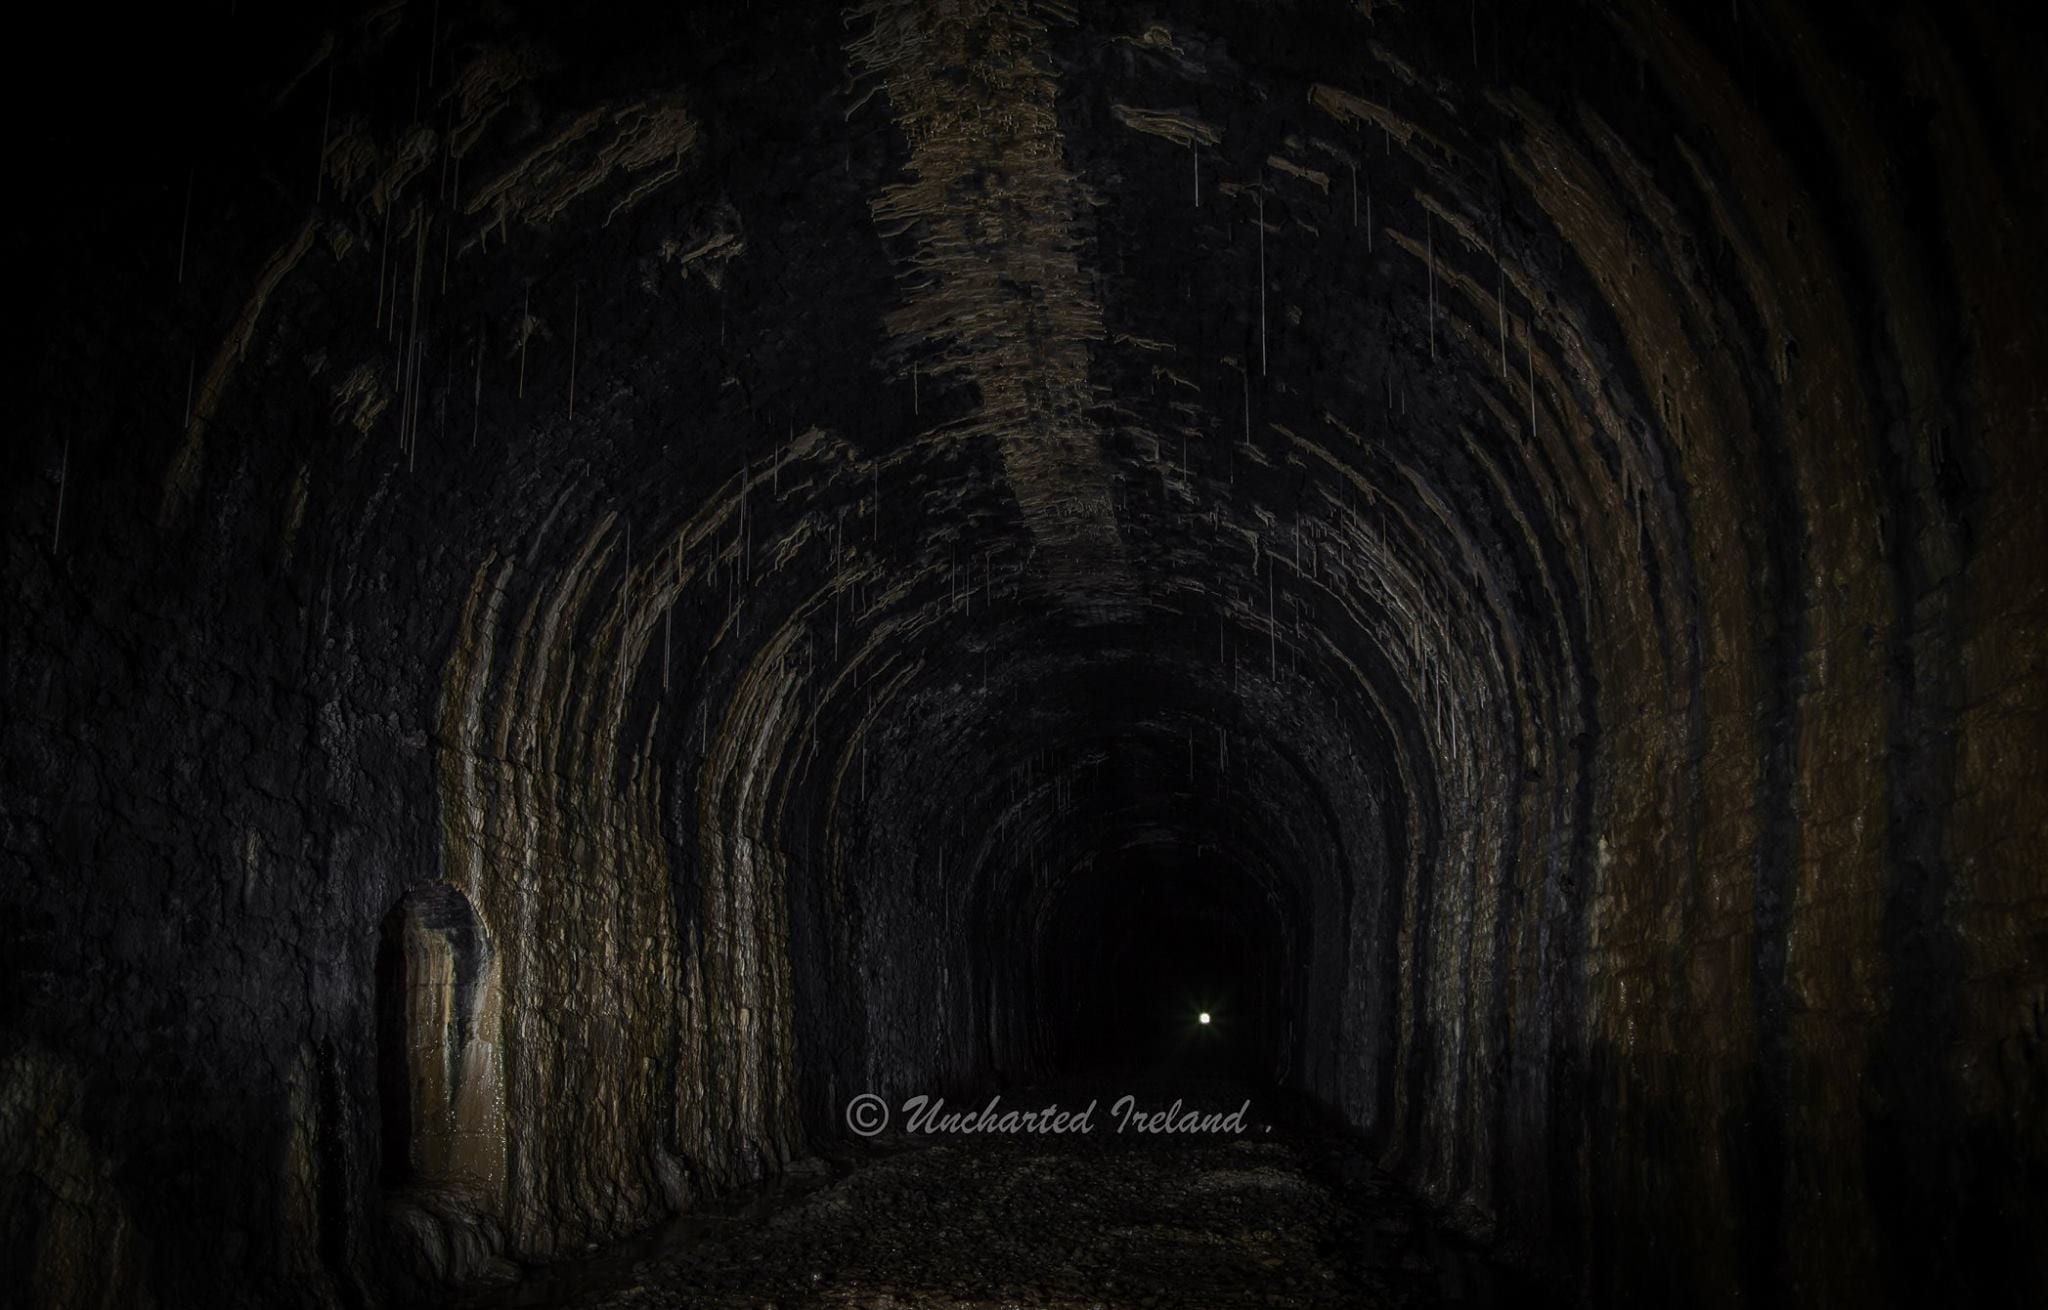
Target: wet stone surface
[(1282, 1214)]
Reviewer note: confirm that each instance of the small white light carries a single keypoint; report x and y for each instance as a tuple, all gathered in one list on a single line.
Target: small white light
[(1203, 1017)]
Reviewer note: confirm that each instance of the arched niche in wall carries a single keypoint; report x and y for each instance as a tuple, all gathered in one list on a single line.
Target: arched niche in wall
[(439, 1077)]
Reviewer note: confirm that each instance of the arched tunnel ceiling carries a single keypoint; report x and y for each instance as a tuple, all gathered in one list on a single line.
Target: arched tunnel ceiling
[(802, 480)]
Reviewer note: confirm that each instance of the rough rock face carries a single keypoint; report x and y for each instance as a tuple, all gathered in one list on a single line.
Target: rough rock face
[(584, 585)]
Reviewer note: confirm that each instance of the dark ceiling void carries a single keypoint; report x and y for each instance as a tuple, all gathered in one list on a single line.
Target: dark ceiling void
[(587, 585)]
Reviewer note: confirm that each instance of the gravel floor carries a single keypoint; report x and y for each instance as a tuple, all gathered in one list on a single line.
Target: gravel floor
[(1281, 1215)]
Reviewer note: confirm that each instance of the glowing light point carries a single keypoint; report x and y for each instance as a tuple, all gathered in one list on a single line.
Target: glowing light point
[(1203, 1017)]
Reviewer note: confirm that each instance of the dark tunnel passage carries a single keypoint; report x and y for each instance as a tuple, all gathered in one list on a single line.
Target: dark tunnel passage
[(1163, 958), (596, 593)]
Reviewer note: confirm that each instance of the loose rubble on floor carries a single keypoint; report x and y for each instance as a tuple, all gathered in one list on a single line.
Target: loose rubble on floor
[(1281, 1215)]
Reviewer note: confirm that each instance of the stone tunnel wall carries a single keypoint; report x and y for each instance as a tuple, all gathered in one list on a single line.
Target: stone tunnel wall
[(1556, 503)]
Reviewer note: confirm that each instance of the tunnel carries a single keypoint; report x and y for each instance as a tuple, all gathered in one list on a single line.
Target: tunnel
[(1444, 602)]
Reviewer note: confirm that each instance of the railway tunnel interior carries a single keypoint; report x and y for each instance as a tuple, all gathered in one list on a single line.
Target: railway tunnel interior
[(587, 586)]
